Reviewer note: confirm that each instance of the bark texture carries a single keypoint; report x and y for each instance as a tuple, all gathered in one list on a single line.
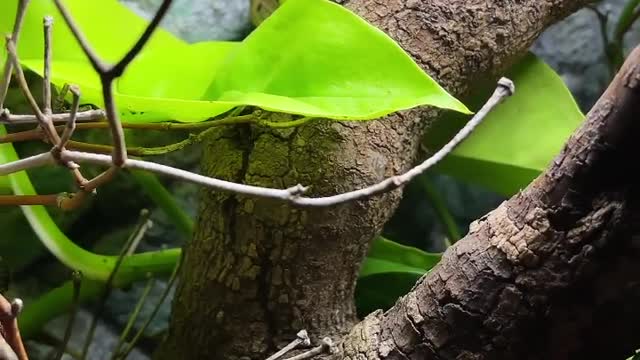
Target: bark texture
[(550, 274), (258, 271)]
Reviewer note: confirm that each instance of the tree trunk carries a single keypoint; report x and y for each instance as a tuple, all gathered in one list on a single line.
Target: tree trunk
[(553, 273), (258, 271)]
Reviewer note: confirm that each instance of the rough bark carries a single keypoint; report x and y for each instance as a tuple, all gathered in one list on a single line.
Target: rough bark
[(553, 273), (257, 271)]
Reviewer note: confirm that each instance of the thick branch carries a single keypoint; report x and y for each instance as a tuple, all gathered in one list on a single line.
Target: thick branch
[(257, 271), (550, 274)]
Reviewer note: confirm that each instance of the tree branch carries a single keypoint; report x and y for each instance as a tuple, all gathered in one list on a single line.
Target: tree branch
[(547, 273)]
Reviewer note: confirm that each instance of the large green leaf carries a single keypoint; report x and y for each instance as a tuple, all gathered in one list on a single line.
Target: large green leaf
[(388, 272), (519, 138), (311, 57)]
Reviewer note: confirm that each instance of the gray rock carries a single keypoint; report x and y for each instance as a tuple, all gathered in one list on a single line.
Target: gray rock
[(104, 340), (198, 20), (575, 49)]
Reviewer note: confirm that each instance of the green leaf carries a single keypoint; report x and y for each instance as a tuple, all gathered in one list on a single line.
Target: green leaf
[(390, 271), (311, 57), (93, 266), (519, 138)]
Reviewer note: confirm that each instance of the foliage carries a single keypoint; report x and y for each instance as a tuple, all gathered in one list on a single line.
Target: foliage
[(519, 138), (306, 59), (388, 272)]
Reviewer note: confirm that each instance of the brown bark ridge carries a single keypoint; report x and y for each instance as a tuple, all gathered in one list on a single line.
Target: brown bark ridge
[(257, 271), (552, 273)]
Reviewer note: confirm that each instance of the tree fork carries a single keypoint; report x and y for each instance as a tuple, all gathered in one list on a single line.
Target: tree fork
[(552, 273), (258, 271)]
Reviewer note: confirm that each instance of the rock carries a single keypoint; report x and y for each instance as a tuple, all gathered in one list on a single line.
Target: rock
[(199, 20), (575, 49)]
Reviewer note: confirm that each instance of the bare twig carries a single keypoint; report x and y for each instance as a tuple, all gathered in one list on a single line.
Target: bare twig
[(71, 124), (45, 123), (46, 95), (126, 249), (27, 163), (14, 200), (95, 61), (84, 116), (118, 68), (294, 194), (9, 312), (15, 36), (76, 277), (302, 339), (326, 347), (108, 74), (132, 318), (174, 275)]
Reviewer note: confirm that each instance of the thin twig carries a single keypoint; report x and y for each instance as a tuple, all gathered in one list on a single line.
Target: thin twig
[(133, 317), (15, 36), (118, 68), (302, 339), (108, 286), (14, 200), (95, 61), (293, 194), (84, 116), (174, 275), (108, 74), (325, 348), (9, 312), (76, 277), (44, 122), (46, 95), (27, 163), (71, 124)]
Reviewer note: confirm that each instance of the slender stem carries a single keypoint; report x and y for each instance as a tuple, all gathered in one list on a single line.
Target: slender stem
[(46, 96), (84, 116), (192, 139), (119, 153), (95, 61), (118, 68), (15, 36), (163, 297), (440, 207), (76, 277), (26, 163), (71, 124), (15, 200), (325, 348), (628, 16), (144, 217), (28, 135), (133, 317), (46, 125)]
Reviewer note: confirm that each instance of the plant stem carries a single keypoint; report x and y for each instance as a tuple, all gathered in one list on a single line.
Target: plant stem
[(627, 18), (77, 283), (440, 207), (126, 249), (143, 328), (133, 317)]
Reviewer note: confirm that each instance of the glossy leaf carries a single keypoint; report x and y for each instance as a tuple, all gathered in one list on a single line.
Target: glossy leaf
[(519, 138), (390, 271), (311, 57)]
